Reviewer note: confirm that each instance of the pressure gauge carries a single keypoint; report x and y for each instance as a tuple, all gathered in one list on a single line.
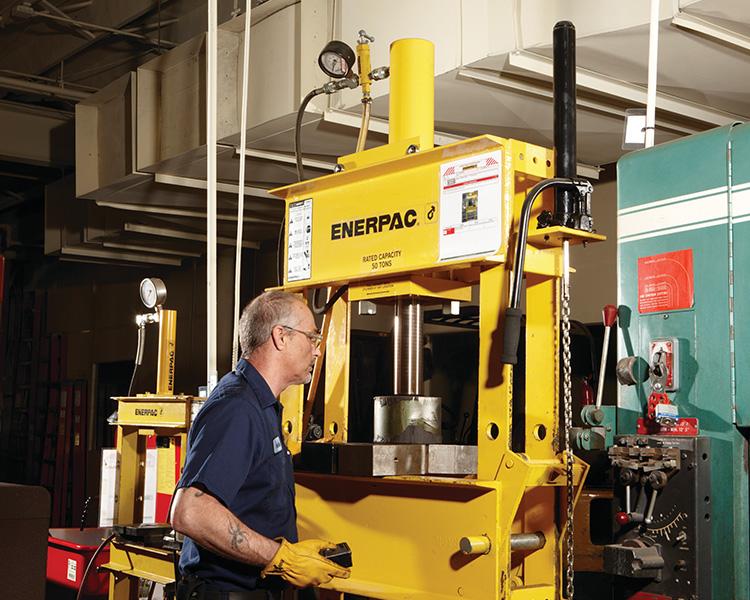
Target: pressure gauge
[(153, 292), (336, 59)]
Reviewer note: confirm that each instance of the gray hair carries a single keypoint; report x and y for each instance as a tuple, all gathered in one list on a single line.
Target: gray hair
[(261, 315)]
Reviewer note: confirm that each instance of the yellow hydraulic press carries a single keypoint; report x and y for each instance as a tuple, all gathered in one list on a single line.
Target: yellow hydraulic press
[(164, 415), (407, 225)]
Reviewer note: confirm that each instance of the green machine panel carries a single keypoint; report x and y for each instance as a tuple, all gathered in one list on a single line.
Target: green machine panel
[(739, 153), (683, 238)]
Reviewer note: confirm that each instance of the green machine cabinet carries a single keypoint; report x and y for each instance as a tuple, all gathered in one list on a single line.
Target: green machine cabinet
[(680, 454)]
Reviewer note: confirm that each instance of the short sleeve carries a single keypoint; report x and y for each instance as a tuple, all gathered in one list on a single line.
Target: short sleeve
[(224, 444)]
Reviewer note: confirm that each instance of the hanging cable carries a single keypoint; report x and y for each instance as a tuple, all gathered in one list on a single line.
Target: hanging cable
[(212, 376), (241, 185), (366, 109), (138, 353), (298, 131), (91, 562), (351, 81), (319, 308)]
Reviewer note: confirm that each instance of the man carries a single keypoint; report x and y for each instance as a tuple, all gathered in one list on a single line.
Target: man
[(235, 499)]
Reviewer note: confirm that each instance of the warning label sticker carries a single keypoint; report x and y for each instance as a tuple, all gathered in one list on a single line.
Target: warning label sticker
[(72, 569), (666, 281), (470, 195), (299, 241)]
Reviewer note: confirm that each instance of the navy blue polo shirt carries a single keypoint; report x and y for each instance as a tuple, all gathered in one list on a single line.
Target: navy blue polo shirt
[(236, 451)]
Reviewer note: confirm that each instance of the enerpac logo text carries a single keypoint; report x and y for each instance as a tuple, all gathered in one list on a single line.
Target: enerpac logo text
[(368, 225)]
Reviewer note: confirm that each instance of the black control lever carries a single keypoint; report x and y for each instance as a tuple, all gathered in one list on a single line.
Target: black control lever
[(513, 314)]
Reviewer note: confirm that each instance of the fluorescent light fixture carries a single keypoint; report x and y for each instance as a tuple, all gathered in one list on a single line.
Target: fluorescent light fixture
[(698, 25), (634, 132)]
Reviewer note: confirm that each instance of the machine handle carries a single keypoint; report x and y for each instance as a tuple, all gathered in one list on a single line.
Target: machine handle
[(511, 336), (609, 315), (513, 312)]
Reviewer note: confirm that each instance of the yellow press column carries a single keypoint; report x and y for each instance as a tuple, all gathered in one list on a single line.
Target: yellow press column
[(165, 364), (412, 97)]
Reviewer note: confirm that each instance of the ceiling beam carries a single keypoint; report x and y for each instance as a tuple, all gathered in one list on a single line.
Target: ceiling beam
[(354, 120), (543, 91), (150, 249), (43, 89), (617, 88), (289, 159), (221, 186), (690, 22), (88, 252), (181, 212), (183, 235), (36, 136)]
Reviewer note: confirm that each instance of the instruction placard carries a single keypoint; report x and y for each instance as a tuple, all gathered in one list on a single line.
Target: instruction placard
[(470, 202), (299, 241), (665, 281)]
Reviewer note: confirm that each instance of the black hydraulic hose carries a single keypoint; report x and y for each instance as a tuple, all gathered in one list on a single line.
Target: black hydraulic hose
[(138, 355), (91, 562), (513, 314), (319, 309), (350, 82), (298, 130)]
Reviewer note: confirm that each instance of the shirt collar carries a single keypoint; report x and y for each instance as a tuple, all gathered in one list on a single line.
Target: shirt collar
[(256, 381)]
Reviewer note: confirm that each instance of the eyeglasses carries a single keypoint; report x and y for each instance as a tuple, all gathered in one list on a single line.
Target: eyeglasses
[(314, 337)]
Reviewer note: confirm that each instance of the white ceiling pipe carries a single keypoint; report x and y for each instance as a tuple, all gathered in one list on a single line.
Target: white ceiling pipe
[(241, 185), (653, 62), (212, 376), (33, 87)]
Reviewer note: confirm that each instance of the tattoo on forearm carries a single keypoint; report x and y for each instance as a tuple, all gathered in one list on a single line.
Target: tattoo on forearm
[(237, 536), (199, 493)]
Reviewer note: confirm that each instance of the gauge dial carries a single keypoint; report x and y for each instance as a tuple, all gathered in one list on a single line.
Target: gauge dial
[(667, 525), (333, 64), (336, 59), (153, 292)]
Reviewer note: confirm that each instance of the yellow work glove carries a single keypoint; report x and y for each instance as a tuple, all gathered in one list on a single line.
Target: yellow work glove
[(302, 565)]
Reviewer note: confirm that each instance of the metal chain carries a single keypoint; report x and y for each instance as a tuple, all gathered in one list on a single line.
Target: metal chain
[(568, 422)]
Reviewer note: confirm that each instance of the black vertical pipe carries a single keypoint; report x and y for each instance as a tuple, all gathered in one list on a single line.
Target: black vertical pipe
[(564, 90)]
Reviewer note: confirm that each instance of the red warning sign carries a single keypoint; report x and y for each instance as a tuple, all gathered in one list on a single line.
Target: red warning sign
[(665, 281), (684, 427)]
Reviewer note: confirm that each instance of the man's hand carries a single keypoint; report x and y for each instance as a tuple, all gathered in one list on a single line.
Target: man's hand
[(302, 565)]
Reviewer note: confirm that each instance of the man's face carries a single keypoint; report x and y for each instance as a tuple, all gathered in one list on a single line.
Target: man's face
[(302, 351)]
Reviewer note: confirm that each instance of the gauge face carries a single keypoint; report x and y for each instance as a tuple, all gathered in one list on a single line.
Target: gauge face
[(153, 292), (667, 524), (336, 59), (333, 64)]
